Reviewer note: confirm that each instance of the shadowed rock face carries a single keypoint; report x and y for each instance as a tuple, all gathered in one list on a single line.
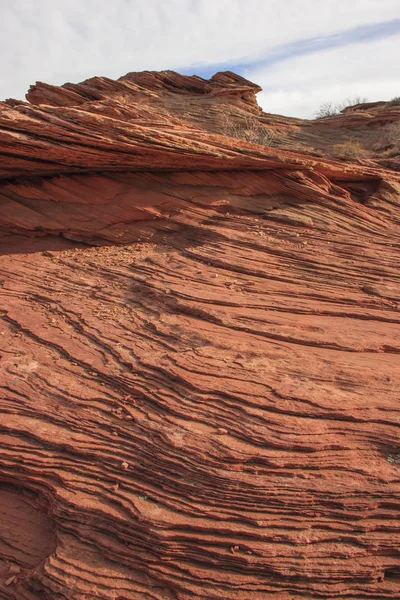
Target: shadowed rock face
[(199, 348), (27, 535)]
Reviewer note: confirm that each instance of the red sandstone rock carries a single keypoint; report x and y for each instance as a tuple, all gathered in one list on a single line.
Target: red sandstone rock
[(200, 400)]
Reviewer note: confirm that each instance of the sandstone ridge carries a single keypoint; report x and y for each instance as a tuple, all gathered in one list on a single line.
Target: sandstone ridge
[(199, 346)]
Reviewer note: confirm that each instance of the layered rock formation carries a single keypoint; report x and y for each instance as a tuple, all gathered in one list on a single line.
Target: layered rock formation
[(200, 347)]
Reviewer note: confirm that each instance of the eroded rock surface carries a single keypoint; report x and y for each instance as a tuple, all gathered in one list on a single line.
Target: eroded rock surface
[(199, 350)]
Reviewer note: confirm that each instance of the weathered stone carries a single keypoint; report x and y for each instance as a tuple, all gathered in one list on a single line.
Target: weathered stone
[(199, 343)]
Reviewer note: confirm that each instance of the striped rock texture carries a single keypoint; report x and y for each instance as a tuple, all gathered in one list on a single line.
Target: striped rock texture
[(199, 347)]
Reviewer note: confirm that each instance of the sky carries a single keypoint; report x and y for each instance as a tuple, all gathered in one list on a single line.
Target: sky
[(302, 52)]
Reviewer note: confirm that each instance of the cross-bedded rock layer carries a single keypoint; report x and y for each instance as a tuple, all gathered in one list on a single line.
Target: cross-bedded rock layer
[(199, 349)]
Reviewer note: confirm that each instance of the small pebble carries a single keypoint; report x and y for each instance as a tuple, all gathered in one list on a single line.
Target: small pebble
[(14, 570)]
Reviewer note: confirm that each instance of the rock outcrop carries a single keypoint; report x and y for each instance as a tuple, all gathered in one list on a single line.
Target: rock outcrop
[(199, 347)]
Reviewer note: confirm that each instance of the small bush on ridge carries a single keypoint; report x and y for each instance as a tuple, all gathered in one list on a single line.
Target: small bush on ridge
[(329, 109), (251, 131), (349, 149)]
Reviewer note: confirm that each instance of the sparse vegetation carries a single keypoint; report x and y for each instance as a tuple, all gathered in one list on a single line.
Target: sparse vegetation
[(390, 140), (251, 130), (392, 133), (394, 458), (395, 101), (349, 149), (329, 109)]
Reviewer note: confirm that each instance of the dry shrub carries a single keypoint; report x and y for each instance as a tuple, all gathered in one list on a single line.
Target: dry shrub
[(251, 130), (329, 109), (389, 140), (392, 134), (349, 149)]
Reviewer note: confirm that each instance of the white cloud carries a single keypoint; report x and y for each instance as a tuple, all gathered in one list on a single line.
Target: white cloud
[(298, 86), (69, 40)]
